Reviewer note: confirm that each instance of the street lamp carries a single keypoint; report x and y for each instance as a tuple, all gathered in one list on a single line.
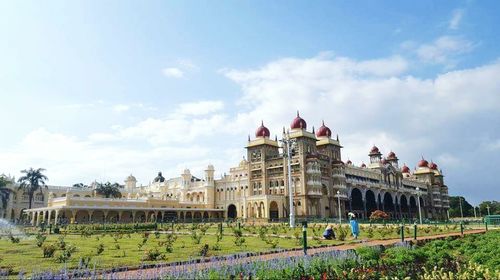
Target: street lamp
[(340, 210), (419, 210), (288, 142)]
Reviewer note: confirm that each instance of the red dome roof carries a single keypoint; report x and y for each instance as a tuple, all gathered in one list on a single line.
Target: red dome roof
[(423, 163), (374, 150), (433, 166), (363, 165), (405, 169), (391, 155), (298, 123), (324, 131), (262, 131)]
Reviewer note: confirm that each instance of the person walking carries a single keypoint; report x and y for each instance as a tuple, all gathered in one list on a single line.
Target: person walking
[(354, 225), (329, 234)]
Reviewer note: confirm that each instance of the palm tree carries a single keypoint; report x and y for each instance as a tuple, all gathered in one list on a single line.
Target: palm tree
[(109, 190), (32, 181), (80, 186), (4, 191)]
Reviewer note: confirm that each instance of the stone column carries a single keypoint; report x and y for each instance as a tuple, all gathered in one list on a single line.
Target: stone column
[(133, 216), (56, 218), (38, 218), (91, 212), (49, 216), (364, 208), (33, 218), (119, 216), (73, 215)]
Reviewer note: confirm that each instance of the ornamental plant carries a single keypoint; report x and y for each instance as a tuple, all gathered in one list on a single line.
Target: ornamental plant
[(40, 239), (48, 250), (99, 249)]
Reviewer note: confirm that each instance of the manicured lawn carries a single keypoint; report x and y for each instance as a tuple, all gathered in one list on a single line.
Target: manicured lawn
[(125, 250)]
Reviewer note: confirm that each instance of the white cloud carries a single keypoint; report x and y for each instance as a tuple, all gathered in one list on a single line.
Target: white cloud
[(456, 18), (121, 108), (173, 72), (364, 104), (444, 50), (200, 108)]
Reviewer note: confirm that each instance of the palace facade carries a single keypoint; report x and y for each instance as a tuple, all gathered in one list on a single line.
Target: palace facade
[(257, 189)]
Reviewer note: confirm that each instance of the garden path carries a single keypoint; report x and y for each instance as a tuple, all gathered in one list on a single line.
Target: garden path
[(152, 273)]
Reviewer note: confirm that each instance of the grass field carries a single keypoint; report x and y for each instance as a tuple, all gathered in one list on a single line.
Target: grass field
[(124, 249)]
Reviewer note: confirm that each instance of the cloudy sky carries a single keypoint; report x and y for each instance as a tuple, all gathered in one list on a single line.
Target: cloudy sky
[(97, 91)]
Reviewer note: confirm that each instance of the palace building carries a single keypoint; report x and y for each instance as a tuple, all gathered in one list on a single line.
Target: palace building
[(257, 189)]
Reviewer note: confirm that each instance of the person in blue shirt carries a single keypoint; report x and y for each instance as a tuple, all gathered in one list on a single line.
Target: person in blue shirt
[(354, 226), (329, 233)]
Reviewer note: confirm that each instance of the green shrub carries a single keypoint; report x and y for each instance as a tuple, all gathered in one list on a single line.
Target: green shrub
[(152, 255), (61, 244), (239, 241), (203, 252), (341, 233), (48, 250), (368, 255), (196, 237), (40, 239), (99, 249)]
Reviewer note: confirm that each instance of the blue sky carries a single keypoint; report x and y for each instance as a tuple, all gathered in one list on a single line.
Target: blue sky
[(96, 91)]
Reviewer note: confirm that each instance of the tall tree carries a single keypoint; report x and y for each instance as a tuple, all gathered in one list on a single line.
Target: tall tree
[(32, 181), (109, 190), (80, 186), (455, 207), (4, 191), (494, 207)]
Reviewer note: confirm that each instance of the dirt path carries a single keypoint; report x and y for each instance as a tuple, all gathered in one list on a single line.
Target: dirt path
[(154, 272)]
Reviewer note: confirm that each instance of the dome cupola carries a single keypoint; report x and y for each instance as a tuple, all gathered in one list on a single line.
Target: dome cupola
[(433, 166), (363, 165), (374, 151), (262, 131), (423, 163), (324, 131), (405, 169), (298, 123), (391, 155)]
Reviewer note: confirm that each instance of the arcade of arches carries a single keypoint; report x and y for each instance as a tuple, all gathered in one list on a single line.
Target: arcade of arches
[(363, 202), (52, 215)]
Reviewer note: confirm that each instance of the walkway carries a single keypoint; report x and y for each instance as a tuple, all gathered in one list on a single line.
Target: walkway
[(151, 273)]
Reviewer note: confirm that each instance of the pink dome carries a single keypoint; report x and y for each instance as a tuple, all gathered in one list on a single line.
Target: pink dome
[(349, 162), (423, 163), (384, 161), (298, 123), (363, 165), (262, 131), (405, 169), (324, 131), (391, 155), (433, 166), (374, 150)]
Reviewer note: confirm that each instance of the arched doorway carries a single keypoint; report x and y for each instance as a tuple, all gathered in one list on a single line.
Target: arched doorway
[(413, 207), (357, 202), (389, 204), (404, 206), (371, 203), (273, 210), (231, 211)]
